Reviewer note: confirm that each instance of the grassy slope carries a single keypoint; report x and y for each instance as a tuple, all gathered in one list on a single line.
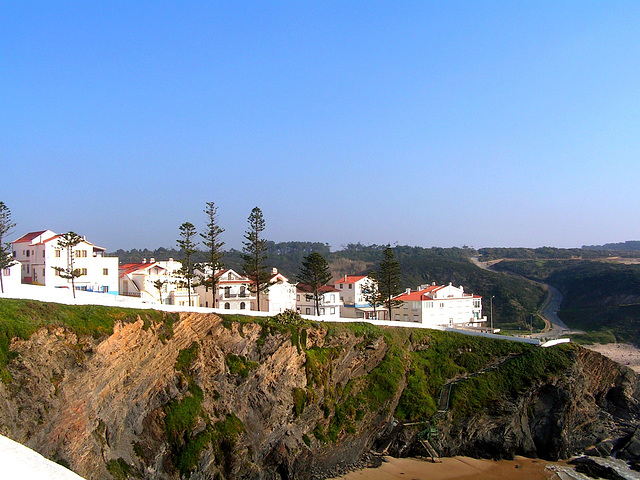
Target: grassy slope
[(600, 298)]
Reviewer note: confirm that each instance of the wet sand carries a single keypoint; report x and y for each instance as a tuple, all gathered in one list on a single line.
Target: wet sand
[(622, 353), (458, 468)]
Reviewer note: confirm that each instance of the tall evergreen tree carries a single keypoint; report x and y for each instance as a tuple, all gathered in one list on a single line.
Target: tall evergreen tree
[(6, 226), (315, 273), (68, 241), (254, 255), (211, 240), (388, 278), (188, 248)]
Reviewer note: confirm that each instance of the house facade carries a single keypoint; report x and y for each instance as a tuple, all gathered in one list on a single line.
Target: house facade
[(354, 304), (232, 292), (330, 302), (139, 280), (440, 306), (280, 295), (39, 253)]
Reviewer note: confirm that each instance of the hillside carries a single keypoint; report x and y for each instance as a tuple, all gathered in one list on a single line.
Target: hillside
[(600, 297), (126, 394)]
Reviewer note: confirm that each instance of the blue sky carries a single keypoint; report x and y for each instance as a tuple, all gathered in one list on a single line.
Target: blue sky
[(424, 123)]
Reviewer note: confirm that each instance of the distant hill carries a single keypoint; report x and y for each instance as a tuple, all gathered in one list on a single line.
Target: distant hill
[(629, 245)]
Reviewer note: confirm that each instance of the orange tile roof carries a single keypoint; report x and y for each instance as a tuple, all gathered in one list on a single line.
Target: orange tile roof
[(351, 279)]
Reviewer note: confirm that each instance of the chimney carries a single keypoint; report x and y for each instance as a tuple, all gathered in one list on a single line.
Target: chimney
[(144, 260), (152, 260), (274, 271), (171, 259)]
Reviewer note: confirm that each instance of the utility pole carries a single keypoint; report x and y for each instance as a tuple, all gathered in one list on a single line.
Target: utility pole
[(491, 303)]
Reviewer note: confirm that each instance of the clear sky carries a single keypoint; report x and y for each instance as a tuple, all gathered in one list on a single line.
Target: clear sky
[(446, 123)]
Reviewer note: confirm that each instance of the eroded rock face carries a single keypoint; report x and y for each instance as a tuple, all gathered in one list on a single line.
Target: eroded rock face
[(594, 403), (228, 400), (92, 404)]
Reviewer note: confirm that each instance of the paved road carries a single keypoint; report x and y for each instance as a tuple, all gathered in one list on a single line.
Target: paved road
[(549, 309)]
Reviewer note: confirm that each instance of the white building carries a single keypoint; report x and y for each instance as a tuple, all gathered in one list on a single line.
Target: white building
[(139, 279), (280, 296), (354, 304), (440, 305), (39, 253), (232, 292), (11, 277), (330, 302)]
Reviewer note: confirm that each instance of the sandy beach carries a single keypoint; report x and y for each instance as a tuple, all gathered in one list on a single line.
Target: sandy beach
[(521, 468), (622, 353)]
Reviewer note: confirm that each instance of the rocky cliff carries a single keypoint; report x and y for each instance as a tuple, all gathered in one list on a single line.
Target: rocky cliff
[(208, 397)]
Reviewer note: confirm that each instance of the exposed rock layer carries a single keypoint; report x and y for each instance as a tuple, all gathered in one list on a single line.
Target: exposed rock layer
[(100, 405)]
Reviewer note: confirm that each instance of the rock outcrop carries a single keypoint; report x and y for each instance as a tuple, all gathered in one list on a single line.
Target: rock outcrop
[(223, 399)]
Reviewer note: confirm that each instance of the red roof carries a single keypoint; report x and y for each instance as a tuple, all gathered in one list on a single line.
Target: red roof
[(28, 237), (303, 287), (127, 268), (351, 279), (419, 295)]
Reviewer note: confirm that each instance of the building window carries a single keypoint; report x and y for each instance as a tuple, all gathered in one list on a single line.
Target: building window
[(405, 317), (43, 272), (322, 311), (83, 271), (350, 286), (6, 272), (242, 305), (81, 253), (333, 310), (27, 268), (298, 298), (57, 253), (227, 306), (308, 311), (14, 254), (341, 286), (398, 316), (415, 318), (28, 253), (57, 273), (227, 292), (105, 271)]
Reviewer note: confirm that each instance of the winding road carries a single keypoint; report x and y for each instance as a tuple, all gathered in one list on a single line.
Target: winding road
[(554, 327)]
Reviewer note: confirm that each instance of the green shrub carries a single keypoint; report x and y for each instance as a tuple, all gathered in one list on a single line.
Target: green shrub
[(239, 365)]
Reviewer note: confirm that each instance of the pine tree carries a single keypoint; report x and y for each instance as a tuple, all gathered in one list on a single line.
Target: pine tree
[(388, 278), (68, 241), (188, 248), (6, 225), (371, 294), (254, 255), (315, 273), (211, 240)]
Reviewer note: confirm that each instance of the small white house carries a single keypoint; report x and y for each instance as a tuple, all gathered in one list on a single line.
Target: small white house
[(39, 253), (354, 304), (139, 280), (232, 292), (440, 305), (330, 302), (281, 295)]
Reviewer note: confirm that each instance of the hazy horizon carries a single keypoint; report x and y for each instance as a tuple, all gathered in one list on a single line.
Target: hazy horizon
[(421, 123)]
